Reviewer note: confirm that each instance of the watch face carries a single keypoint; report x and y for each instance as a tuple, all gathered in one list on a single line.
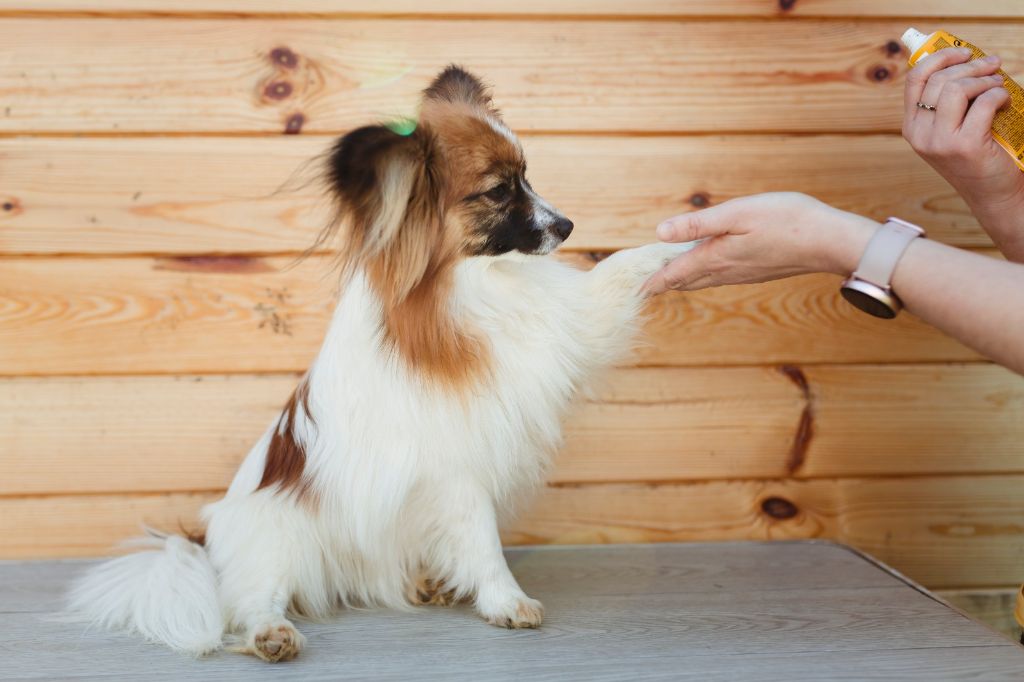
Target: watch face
[(869, 304)]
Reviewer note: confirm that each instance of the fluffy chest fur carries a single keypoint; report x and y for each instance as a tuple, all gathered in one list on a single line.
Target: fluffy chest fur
[(370, 424)]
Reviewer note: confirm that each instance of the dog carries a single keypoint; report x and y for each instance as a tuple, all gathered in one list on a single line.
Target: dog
[(431, 413)]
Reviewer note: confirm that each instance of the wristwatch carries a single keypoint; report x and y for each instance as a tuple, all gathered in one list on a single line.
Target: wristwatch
[(869, 287)]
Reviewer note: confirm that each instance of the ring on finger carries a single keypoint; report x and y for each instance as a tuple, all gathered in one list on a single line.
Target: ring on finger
[(926, 107)]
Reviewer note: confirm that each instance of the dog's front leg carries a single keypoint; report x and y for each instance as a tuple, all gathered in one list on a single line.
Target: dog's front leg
[(614, 298), (468, 550), (623, 274)]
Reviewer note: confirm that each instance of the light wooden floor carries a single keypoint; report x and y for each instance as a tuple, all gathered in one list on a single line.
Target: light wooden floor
[(730, 611)]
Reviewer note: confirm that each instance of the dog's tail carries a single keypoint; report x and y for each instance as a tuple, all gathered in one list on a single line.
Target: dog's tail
[(167, 594)]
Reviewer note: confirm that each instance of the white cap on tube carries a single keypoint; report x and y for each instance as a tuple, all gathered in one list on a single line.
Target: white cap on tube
[(914, 39)]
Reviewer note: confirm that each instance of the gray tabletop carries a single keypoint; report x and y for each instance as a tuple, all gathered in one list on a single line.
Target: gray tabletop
[(730, 611)]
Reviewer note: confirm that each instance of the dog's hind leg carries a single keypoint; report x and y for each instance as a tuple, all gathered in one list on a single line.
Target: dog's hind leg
[(272, 637), (258, 600), (257, 544)]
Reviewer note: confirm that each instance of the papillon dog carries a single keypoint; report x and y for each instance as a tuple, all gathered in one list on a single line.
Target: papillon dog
[(431, 413)]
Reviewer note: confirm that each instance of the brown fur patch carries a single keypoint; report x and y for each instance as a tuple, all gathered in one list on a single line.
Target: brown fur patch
[(425, 334), (429, 592), (286, 458), (197, 537)]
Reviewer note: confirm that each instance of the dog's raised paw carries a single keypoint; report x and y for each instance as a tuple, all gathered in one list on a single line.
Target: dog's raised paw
[(519, 613), (276, 642)]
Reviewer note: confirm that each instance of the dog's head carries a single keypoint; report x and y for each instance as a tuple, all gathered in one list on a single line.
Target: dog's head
[(416, 198), (452, 184)]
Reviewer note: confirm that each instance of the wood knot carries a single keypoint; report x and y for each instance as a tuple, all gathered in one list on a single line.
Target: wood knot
[(8, 205), (293, 126), (779, 508), (283, 56), (880, 74), (699, 200), (786, 5), (797, 376), (893, 48), (12, 206), (278, 90)]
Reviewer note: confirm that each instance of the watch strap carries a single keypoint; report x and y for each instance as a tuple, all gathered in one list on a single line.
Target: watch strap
[(884, 251)]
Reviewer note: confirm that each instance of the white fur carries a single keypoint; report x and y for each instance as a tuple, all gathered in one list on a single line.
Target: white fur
[(167, 595), (407, 477)]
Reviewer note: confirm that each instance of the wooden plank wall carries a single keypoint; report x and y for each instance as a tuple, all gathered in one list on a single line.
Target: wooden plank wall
[(151, 322)]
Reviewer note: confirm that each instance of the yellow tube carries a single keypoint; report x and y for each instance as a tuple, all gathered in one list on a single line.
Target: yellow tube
[(1008, 125)]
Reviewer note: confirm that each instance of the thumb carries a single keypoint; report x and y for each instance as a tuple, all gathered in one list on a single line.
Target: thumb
[(689, 227), (681, 274)]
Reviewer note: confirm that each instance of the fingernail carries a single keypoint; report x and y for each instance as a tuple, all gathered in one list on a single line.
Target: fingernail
[(991, 59), (665, 231)]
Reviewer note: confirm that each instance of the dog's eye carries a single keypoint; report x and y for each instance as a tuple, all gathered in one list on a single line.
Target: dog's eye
[(498, 192)]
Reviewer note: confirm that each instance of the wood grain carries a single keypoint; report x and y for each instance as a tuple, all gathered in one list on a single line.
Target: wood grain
[(539, 8), (961, 531), (180, 433), (155, 76), (229, 195), (942, 531), (242, 314), (723, 611)]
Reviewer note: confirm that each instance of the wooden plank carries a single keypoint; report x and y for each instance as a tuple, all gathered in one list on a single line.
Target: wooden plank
[(938, 414), (960, 531), (239, 314), (180, 433), (263, 76), (538, 8), (670, 609), (113, 314), (957, 531), (232, 195)]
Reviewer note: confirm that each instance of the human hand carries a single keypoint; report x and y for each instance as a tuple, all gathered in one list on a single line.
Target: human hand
[(956, 139), (761, 238)]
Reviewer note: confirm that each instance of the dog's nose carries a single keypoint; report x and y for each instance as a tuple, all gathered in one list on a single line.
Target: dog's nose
[(563, 228)]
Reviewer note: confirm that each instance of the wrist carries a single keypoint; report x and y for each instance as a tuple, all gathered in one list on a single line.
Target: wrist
[(1001, 217), (846, 243)]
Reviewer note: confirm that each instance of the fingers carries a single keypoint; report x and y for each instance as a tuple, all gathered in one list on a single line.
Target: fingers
[(939, 81), (956, 97), (684, 273), (690, 227), (978, 122), (917, 78)]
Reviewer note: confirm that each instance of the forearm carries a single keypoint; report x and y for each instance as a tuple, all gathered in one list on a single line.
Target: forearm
[(975, 299)]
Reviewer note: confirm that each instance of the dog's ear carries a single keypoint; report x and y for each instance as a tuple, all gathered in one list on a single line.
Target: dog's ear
[(455, 85), (389, 199)]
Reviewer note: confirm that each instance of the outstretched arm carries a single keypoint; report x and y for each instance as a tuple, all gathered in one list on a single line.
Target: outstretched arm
[(973, 298)]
